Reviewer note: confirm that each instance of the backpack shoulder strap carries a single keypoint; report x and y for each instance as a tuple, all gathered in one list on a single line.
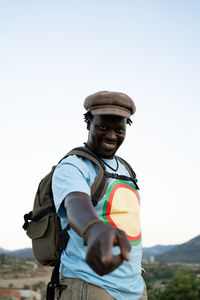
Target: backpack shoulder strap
[(100, 183), (130, 170)]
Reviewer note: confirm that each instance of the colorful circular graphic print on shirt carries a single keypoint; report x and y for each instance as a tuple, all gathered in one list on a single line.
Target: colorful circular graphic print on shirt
[(122, 209)]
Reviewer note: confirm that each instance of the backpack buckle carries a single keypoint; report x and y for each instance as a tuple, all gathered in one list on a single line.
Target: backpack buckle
[(111, 175), (54, 285), (27, 217)]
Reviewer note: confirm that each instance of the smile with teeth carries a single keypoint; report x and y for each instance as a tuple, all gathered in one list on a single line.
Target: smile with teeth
[(109, 145)]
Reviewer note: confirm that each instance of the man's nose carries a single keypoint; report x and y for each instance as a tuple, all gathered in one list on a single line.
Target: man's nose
[(111, 135)]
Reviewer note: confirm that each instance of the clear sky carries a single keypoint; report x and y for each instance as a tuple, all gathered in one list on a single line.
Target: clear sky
[(55, 53)]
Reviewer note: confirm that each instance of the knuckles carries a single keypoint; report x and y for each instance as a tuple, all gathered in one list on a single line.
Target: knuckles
[(96, 250)]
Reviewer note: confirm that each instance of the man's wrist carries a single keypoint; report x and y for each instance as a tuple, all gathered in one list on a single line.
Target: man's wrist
[(88, 226)]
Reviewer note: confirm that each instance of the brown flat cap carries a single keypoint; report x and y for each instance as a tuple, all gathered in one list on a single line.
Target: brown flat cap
[(110, 103)]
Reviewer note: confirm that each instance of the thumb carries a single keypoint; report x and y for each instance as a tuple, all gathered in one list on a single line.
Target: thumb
[(106, 251), (125, 246)]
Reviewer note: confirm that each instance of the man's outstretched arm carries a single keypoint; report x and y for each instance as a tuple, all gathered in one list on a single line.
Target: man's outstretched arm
[(99, 237)]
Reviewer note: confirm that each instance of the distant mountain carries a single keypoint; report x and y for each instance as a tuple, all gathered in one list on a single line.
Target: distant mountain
[(187, 252), (3, 251), (147, 252), (24, 253), (156, 250)]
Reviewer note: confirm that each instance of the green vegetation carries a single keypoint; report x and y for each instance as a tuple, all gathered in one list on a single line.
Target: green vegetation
[(6, 259), (158, 272), (183, 286), (172, 282), (15, 267), (26, 287), (3, 259)]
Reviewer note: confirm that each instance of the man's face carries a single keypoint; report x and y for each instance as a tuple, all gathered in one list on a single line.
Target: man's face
[(106, 134)]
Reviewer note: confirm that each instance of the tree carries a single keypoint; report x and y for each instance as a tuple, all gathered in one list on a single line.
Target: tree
[(2, 259), (151, 295), (26, 287), (183, 286)]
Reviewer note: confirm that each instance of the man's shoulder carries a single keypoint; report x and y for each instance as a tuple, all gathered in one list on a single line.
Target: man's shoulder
[(77, 163)]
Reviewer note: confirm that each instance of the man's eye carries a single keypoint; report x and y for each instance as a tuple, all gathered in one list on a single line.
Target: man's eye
[(120, 131), (102, 128)]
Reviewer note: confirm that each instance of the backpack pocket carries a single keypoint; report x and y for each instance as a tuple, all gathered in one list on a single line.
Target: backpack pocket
[(44, 235)]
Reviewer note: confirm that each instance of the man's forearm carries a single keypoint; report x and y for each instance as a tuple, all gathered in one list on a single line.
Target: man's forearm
[(80, 210), (100, 237)]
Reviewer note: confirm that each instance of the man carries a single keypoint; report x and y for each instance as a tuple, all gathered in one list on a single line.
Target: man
[(103, 256)]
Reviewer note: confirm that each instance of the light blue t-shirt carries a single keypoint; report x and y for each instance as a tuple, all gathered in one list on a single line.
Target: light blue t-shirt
[(119, 207)]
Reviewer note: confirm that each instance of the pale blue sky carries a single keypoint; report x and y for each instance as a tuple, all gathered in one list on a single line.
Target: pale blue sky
[(55, 53)]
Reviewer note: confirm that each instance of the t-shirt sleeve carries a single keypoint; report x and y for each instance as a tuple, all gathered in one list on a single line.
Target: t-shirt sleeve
[(71, 175)]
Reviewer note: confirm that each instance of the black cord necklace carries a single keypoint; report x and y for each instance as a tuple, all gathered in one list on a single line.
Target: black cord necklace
[(117, 163)]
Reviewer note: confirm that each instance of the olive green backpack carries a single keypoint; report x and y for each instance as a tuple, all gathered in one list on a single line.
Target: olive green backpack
[(42, 224)]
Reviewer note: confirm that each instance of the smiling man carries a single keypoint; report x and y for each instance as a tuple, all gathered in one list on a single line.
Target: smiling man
[(102, 260), (106, 134)]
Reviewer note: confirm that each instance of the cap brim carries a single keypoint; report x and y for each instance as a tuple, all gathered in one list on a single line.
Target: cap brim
[(111, 111)]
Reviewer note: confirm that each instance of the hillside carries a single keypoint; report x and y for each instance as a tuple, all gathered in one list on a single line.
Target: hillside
[(27, 253), (12, 267), (22, 273), (24, 253), (186, 252), (3, 251), (156, 250)]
